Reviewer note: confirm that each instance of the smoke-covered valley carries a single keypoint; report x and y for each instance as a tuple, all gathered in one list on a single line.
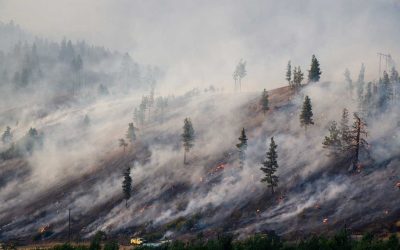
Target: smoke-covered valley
[(76, 119)]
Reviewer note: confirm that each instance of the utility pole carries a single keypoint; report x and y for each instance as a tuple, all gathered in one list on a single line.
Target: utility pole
[(69, 225)]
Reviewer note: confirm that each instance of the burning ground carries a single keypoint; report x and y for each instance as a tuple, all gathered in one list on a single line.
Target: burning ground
[(81, 169)]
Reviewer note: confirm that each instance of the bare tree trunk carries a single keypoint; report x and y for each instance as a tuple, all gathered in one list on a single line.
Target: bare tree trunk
[(126, 203), (184, 157), (272, 189)]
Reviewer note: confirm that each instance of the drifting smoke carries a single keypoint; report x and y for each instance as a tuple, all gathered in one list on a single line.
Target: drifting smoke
[(80, 167)]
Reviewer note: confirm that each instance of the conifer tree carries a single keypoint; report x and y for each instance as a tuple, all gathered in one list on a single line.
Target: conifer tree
[(306, 115), (289, 73), (239, 73), (344, 128), (333, 141), (264, 101), (349, 82), (123, 143), (7, 135), (127, 185), (298, 77), (270, 165), (314, 73), (385, 92), (131, 134), (242, 146), (187, 137)]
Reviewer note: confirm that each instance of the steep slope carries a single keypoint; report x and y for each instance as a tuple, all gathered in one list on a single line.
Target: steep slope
[(211, 193)]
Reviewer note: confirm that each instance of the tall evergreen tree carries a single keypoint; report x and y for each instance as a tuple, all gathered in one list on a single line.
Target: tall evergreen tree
[(131, 134), (7, 135), (123, 143), (127, 185), (264, 101), (289, 73), (333, 140), (298, 77), (187, 137), (385, 92), (349, 82), (270, 165), (242, 146), (306, 115), (314, 73), (239, 73), (344, 128)]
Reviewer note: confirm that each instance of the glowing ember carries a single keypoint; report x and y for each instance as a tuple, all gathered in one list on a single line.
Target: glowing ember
[(218, 168), (43, 229), (325, 221)]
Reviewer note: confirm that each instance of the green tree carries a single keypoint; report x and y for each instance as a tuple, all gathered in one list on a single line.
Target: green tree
[(239, 73), (264, 101), (344, 129), (298, 77), (333, 141), (270, 166), (306, 115), (127, 185), (314, 73), (131, 134), (289, 73), (123, 143), (7, 136), (242, 146), (187, 137), (349, 82)]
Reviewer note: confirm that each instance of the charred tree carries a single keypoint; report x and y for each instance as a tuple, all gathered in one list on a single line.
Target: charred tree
[(356, 140)]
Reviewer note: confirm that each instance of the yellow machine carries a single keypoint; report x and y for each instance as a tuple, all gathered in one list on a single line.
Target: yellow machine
[(137, 241)]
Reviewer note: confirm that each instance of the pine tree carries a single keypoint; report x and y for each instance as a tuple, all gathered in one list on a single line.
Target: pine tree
[(385, 92), (239, 73), (289, 74), (314, 73), (356, 140), (130, 134), (7, 135), (360, 87), (123, 143), (344, 128), (264, 101), (298, 77), (242, 146), (127, 185), (349, 82), (306, 113), (333, 141), (270, 165), (187, 137)]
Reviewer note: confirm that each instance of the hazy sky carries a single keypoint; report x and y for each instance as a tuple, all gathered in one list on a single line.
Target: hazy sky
[(201, 41)]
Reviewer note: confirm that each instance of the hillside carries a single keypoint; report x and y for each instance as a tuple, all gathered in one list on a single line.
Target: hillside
[(80, 168)]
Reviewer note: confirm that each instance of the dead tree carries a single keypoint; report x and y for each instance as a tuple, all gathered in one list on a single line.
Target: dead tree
[(356, 140)]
